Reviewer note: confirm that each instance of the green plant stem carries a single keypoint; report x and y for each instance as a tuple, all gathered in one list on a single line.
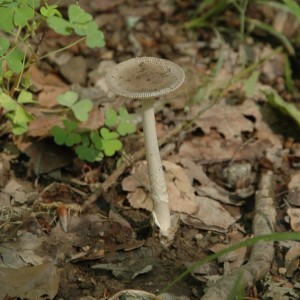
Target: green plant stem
[(273, 237), (62, 49), (269, 29)]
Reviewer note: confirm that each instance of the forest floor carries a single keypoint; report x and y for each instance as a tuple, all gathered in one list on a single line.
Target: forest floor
[(222, 145)]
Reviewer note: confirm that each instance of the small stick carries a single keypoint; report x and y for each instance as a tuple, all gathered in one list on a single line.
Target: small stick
[(262, 253)]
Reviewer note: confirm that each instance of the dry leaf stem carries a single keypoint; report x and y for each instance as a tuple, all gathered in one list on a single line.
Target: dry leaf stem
[(262, 253)]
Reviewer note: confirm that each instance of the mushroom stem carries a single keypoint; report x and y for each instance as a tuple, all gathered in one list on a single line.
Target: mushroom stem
[(158, 186)]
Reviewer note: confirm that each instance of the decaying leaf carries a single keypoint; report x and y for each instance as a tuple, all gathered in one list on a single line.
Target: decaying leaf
[(16, 191), (211, 215), (29, 282), (50, 86), (126, 271), (181, 193), (293, 197), (292, 259), (294, 214)]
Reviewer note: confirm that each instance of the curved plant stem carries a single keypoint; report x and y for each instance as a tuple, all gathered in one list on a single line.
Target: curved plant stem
[(62, 49)]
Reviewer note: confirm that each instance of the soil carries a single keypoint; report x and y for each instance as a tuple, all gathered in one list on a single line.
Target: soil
[(94, 223)]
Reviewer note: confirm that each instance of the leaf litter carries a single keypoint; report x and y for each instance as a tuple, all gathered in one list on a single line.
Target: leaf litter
[(214, 202)]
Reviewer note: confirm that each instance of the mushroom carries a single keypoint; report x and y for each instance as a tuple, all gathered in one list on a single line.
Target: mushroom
[(147, 78)]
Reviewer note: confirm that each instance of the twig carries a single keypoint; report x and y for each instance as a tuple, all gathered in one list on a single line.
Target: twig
[(262, 253)]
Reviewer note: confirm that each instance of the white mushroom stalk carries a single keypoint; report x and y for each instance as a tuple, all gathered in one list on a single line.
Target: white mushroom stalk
[(159, 192), (147, 78)]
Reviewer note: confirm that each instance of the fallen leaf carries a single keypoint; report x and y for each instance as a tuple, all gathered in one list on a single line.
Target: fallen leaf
[(29, 282), (46, 156), (49, 86), (292, 259), (211, 215), (181, 193), (293, 197), (294, 214), (16, 191)]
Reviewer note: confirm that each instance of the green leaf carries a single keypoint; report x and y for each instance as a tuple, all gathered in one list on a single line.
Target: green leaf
[(19, 129), (293, 8), (126, 125), (7, 102), (78, 15), (111, 143), (250, 84), (25, 97), (22, 15), (21, 116), (275, 100), (31, 3), (97, 140), (111, 117), (60, 25), (50, 11), (6, 17), (4, 45), (81, 109), (72, 139), (95, 37), (59, 134), (80, 29), (14, 60), (67, 99), (89, 154), (70, 125)]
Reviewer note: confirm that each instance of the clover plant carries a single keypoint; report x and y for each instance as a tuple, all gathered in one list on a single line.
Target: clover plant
[(91, 145), (21, 21)]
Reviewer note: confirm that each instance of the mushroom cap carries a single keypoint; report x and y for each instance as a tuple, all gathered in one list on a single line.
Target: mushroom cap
[(144, 77)]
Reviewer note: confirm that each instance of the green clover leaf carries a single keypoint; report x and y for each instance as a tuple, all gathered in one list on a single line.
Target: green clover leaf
[(95, 37), (50, 11), (67, 99), (19, 129), (81, 109), (111, 143), (66, 135), (4, 45), (6, 17), (111, 117), (60, 25), (89, 153), (21, 116), (126, 125), (7, 102), (25, 97), (14, 60), (59, 134), (72, 138), (78, 15), (97, 140), (22, 15)]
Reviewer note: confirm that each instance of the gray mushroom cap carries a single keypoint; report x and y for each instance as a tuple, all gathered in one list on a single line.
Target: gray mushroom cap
[(144, 77)]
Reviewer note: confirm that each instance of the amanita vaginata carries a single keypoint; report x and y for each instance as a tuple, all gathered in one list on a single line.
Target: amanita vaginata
[(147, 78)]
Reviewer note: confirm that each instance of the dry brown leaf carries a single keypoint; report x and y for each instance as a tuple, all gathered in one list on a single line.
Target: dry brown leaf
[(294, 214), (211, 215), (29, 282), (229, 120), (46, 156), (294, 190), (181, 193), (50, 86), (41, 125), (95, 119), (292, 259)]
